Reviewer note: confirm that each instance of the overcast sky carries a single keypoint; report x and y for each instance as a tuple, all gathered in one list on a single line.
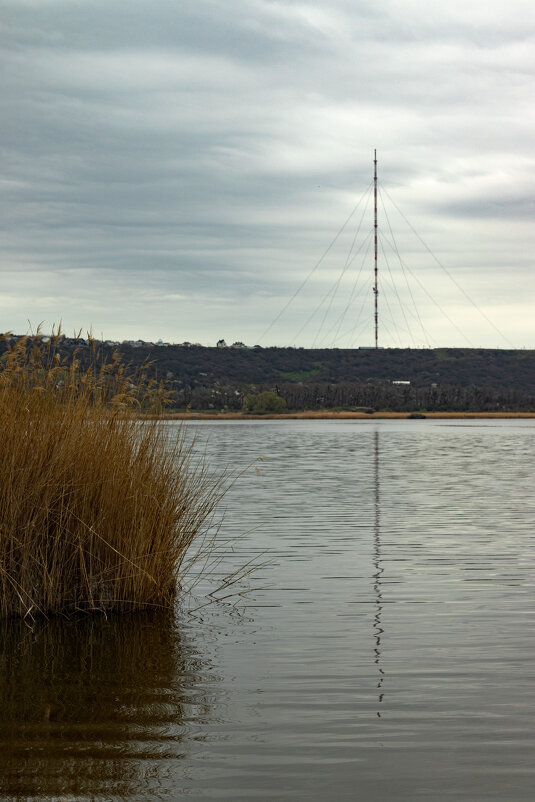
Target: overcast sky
[(176, 169)]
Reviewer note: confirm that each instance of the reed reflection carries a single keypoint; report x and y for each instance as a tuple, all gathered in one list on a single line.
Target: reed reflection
[(377, 576), (93, 707)]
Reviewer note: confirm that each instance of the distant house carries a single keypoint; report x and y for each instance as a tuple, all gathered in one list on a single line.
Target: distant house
[(400, 382), (221, 344), (239, 344)]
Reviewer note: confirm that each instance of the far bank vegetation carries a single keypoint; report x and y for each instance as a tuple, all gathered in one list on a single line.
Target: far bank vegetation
[(264, 402)]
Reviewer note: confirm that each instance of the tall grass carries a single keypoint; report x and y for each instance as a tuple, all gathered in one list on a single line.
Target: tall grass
[(97, 508)]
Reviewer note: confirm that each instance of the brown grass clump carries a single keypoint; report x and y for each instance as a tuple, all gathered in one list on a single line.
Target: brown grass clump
[(97, 507)]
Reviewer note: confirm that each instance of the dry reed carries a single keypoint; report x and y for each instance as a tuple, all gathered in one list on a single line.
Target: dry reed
[(98, 508)]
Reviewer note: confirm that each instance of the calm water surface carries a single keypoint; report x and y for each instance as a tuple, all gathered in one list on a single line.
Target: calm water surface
[(385, 652)]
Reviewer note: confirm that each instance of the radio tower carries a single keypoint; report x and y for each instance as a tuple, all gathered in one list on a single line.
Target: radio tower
[(375, 288)]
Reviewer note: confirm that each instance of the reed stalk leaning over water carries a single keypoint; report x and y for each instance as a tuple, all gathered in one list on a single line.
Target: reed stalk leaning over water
[(97, 508)]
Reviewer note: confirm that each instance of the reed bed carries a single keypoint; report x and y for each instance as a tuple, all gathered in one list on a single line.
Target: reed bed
[(98, 509)]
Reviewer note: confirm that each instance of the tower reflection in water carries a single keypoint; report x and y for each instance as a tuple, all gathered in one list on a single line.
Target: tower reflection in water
[(378, 571), (95, 706)]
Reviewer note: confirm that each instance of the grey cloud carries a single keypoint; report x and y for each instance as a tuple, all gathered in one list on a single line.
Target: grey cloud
[(210, 151)]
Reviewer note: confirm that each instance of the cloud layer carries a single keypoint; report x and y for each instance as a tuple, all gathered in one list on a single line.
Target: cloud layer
[(177, 172)]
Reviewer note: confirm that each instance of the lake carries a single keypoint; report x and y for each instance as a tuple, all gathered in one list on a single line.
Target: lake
[(383, 649)]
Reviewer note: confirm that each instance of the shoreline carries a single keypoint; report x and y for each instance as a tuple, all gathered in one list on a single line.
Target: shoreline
[(327, 415)]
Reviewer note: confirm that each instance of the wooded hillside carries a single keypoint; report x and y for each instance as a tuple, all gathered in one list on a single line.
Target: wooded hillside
[(444, 378), (197, 365)]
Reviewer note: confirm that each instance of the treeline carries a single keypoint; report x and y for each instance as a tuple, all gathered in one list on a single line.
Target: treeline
[(372, 397), (396, 398)]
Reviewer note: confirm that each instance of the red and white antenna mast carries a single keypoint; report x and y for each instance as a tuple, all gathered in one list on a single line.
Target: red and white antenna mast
[(375, 288)]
